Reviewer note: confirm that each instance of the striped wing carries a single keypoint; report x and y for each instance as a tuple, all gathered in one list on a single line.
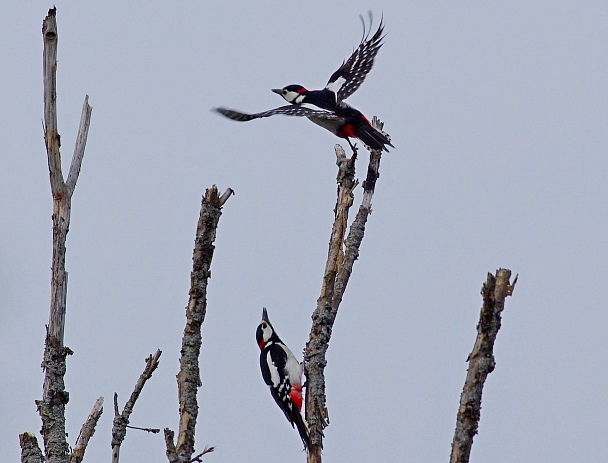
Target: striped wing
[(349, 77), (289, 110)]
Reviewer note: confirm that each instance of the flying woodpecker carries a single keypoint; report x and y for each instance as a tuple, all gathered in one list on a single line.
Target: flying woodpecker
[(283, 375), (333, 114)]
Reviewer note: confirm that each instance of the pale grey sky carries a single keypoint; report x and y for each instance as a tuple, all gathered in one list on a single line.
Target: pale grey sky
[(498, 113)]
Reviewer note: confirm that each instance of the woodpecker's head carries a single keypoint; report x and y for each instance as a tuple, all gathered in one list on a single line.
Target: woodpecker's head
[(294, 94), (265, 331)]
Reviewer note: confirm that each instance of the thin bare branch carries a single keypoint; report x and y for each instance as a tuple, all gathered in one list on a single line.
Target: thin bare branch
[(229, 192), (81, 142), (152, 430), (30, 452), (121, 420), (199, 457), (338, 269), (481, 362), (188, 378), (86, 432)]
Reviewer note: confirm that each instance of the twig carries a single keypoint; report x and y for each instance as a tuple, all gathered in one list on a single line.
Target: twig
[(481, 362), (338, 268), (86, 432), (121, 420), (152, 430), (54, 397), (188, 378), (30, 452), (198, 458)]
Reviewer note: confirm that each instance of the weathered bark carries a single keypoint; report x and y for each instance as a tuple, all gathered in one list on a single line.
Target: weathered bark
[(121, 420), (188, 378), (54, 397), (86, 432), (30, 452), (337, 273), (481, 362)]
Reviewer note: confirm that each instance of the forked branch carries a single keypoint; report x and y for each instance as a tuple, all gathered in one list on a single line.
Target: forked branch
[(54, 397), (340, 259), (121, 420)]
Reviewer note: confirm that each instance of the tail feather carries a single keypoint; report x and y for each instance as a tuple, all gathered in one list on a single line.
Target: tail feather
[(373, 138), (302, 428)]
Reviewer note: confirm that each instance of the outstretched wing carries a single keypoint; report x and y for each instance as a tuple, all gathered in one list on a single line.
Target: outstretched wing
[(353, 71), (289, 110)]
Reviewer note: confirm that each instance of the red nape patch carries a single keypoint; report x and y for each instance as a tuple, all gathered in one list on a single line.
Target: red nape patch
[(346, 131), (302, 90), (296, 396), (261, 344)]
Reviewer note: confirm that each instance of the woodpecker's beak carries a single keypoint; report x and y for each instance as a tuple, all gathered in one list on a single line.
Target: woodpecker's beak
[(278, 90), (265, 315)]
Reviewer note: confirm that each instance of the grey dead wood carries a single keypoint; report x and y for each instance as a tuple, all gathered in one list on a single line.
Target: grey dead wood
[(86, 432), (121, 420), (340, 259), (481, 362), (54, 397), (30, 451), (188, 378)]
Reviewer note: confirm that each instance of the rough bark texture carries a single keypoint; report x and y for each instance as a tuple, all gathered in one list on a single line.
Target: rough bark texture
[(188, 378), (121, 420), (55, 397), (86, 432), (338, 269), (30, 452), (481, 362)]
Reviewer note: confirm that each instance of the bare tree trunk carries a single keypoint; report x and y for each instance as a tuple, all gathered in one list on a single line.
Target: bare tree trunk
[(54, 396), (337, 273), (481, 362), (188, 378)]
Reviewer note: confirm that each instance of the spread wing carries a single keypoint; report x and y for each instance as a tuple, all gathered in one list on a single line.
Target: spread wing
[(289, 110), (349, 77)]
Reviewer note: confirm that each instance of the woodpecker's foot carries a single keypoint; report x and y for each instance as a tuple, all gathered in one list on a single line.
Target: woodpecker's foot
[(353, 147)]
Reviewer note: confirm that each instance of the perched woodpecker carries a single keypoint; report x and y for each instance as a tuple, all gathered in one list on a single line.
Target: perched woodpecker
[(334, 115), (283, 374)]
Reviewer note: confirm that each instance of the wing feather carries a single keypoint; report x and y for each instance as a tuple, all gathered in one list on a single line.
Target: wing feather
[(351, 74)]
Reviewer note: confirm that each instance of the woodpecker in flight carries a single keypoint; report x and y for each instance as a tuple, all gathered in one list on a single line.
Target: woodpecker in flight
[(334, 115), (283, 375)]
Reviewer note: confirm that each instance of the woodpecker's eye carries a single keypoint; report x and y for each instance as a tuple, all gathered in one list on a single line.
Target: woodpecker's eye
[(263, 325), (284, 92)]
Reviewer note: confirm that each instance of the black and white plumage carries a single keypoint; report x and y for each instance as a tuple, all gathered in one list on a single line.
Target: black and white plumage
[(289, 110), (349, 77), (283, 375)]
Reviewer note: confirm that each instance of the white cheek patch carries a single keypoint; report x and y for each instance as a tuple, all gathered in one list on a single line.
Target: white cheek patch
[(292, 96), (336, 85)]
